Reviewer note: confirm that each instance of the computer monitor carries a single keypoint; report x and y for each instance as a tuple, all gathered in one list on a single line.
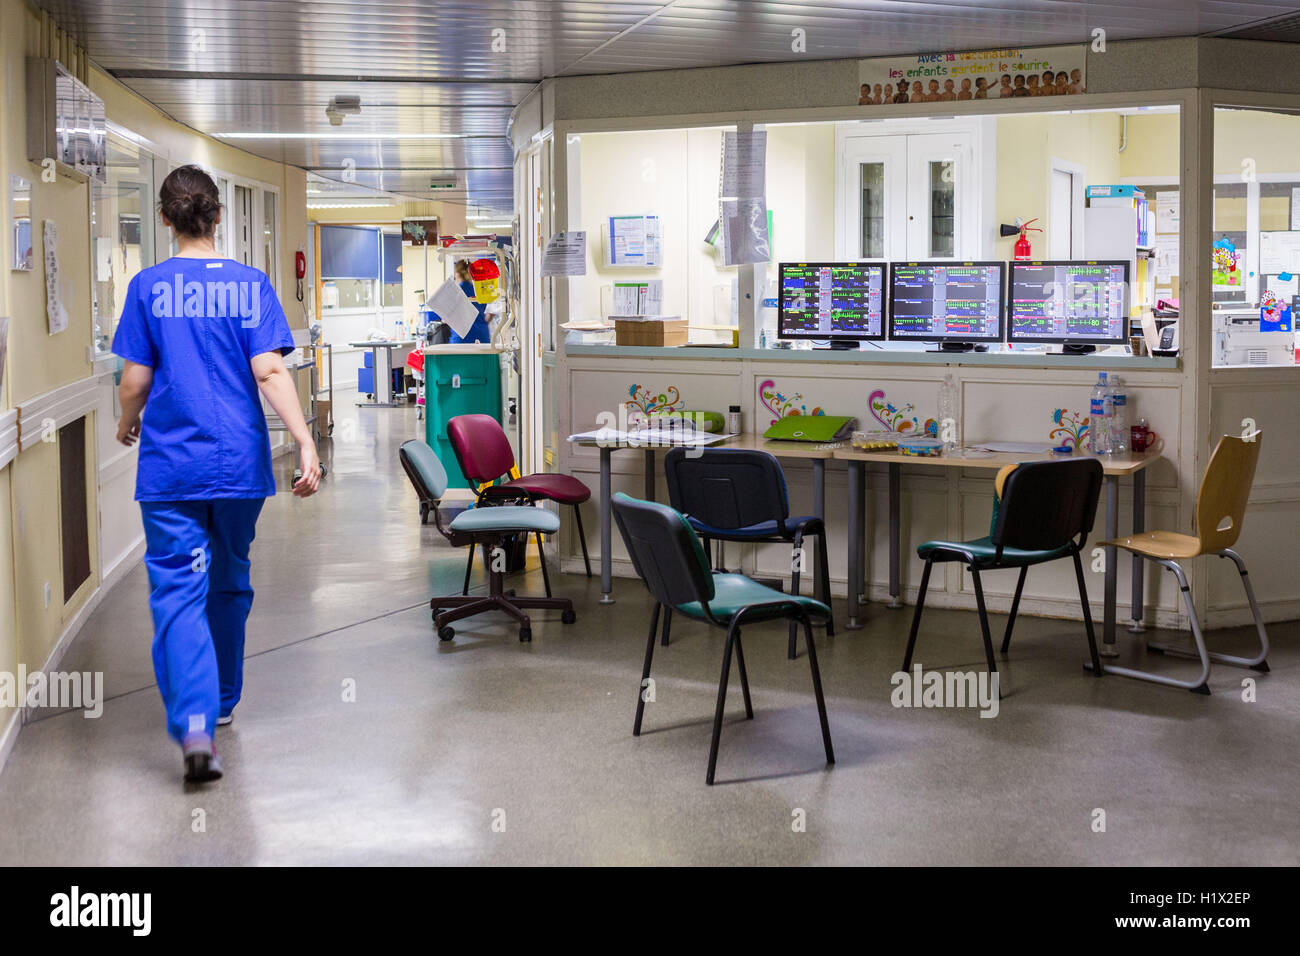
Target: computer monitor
[(839, 301), (1077, 304), (955, 304)]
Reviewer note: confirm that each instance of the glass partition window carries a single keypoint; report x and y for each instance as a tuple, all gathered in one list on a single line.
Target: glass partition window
[(124, 227), (873, 210)]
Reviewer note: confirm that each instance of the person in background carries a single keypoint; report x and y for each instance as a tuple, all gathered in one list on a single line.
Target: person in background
[(917, 94), (1004, 86), (901, 95), (1076, 81), (202, 338), (1062, 84), (965, 92), (864, 95), (889, 94), (479, 331), (981, 88), (1031, 84), (1019, 86)]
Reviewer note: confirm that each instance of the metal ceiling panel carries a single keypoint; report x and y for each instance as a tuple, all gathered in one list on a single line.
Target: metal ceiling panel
[(426, 69)]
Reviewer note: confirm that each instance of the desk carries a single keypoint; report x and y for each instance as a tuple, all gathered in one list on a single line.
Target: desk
[(817, 452), (1113, 467), (383, 368)]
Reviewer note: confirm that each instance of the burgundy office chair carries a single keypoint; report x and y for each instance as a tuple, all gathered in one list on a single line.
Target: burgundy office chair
[(484, 454)]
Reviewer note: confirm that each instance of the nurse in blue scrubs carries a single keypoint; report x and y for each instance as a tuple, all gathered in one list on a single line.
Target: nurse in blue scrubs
[(203, 338), (479, 331)]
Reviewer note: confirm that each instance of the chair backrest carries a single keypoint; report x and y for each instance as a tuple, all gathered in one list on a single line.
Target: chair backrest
[(1048, 504), (1221, 502), (727, 487), (481, 447), (424, 469), (665, 551)]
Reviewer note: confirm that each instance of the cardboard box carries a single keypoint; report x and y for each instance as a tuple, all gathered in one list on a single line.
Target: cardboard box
[(650, 331)]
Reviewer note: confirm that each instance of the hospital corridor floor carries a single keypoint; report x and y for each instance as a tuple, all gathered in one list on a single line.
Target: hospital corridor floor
[(361, 739)]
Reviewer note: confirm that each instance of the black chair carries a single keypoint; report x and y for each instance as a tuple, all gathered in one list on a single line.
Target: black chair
[(1045, 513), (668, 556), (730, 494)]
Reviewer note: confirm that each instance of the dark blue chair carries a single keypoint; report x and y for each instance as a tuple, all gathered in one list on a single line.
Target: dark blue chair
[(668, 556), (731, 494)]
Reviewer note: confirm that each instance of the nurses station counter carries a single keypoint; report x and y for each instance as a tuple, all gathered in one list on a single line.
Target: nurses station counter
[(879, 506)]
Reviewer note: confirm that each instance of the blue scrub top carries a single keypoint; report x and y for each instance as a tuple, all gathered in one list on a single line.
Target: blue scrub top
[(479, 331), (197, 323)]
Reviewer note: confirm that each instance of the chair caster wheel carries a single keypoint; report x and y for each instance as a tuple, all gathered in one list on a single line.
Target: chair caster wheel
[(568, 617), (424, 512), (1153, 649), (446, 633), (1262, 667), (510, 592), (525, 634)]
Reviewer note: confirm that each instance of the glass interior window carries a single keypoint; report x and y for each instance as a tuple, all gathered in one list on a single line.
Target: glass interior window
[(123, 224), (942, 207), (338, 294), (1229, 222), (269, 259), (873, 210)]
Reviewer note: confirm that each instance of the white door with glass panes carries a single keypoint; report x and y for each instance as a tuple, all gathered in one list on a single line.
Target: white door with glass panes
[(907, 196)]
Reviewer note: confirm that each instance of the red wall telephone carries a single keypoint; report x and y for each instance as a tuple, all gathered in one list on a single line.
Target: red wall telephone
[(300, 269)]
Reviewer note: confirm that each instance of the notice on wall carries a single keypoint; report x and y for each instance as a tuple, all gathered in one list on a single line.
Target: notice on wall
[(1166, 259), (635, 241), (973, 75), (565, 255), (1279, 252), (744, 164), (55, 313), (1168, 216), (744, 232)]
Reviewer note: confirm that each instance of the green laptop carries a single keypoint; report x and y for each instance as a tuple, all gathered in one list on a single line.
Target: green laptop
[(816, 428)]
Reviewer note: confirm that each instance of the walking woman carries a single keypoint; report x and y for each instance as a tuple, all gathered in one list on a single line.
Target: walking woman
[(201, 337)]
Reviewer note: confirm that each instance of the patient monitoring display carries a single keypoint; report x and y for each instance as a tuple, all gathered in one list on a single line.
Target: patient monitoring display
[(946, 301), (831, 300), (1068, 302)]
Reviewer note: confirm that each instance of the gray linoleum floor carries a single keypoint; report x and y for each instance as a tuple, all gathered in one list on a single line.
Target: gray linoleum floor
[(489, 751)]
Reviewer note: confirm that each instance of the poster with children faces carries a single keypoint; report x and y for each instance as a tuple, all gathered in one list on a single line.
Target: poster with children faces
[(973, 75)]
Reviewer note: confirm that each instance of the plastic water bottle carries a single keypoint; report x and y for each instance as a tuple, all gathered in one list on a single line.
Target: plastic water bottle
[(1099, 410), (1119, 437)]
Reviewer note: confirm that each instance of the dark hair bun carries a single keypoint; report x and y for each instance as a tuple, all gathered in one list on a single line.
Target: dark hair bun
[(190, 201)]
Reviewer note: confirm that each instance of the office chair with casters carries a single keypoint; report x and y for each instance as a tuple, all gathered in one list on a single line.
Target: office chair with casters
[(731, 494), (668, 556), (1220, 509), (485, 455), (488, 527), (1045, 512)]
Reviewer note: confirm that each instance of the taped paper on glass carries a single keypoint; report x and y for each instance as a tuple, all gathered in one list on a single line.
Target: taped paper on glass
[(744, 164), (744, 231), (54, 310), (565, 255), (454, 307)]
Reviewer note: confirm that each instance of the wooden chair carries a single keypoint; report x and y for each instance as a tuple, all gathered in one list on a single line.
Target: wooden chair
[(1220, 508)]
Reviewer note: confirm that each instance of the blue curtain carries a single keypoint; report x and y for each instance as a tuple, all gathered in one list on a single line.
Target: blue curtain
[(349, 252), (392, 257)]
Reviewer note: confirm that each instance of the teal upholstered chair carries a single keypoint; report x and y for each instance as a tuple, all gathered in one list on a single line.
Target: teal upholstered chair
[(668, 556), (487, 527), (1044, 511)]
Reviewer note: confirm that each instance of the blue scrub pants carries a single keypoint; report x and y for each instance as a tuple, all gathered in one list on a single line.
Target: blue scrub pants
[(197, 557)]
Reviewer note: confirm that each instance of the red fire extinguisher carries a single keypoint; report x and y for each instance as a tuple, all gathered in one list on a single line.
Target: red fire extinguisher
[(1023, 250)]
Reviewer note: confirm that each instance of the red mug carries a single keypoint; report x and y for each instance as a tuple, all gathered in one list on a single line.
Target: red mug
[(1141, 438)]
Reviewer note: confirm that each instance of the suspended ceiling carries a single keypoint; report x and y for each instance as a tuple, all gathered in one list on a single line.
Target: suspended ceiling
[(438, 80)]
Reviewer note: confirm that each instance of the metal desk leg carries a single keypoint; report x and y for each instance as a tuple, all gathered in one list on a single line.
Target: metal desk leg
[(649, 474), (895, 533), (1138, 611), (819, 509), (606, 559), (1112, 569), (855, 542)]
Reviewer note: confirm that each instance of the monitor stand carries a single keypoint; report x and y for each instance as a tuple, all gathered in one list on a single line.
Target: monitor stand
[(1075, 348), (840, 345), (955, 347)]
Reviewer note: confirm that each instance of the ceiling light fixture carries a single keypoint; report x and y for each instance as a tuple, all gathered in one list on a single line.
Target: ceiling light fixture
[(326, 134)]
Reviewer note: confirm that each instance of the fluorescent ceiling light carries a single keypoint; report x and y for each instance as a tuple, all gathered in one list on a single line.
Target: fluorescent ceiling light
[(342, 135), (348, 205)]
